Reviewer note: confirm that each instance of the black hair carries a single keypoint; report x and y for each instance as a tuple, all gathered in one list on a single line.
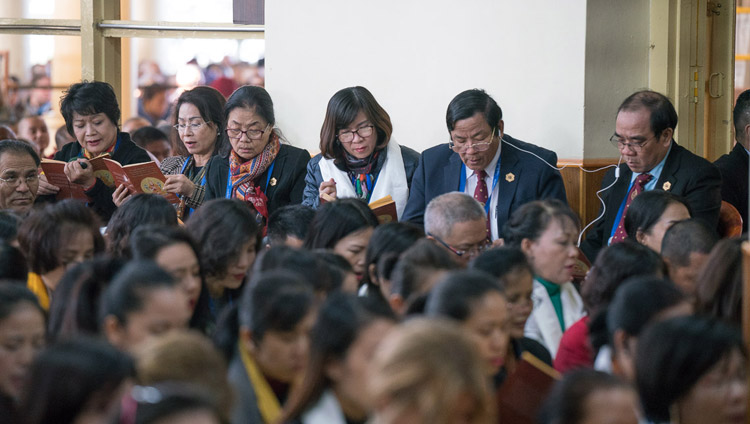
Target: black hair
[(9, 223), (67, 376), (566, 402), (308, 265), (128, 290), (274, 301), (11, 295), (141, 209), (163, 400), (663, 114), (646, 209), (718, 288), (416, 266), (336, 265), (532, 219), (341, 320), (249, 97), (500, 262), (89, 98), (614, 265), (686, 237), (12, 263), (18, 147), (672, 355), (336, 220), (470, 102), (289, 221), (142, 136), (741, 116), (150, 91), (221, 227), (74, 308), (638, 300), (210, 104), (456, 295), (393, 237), (43, 233)]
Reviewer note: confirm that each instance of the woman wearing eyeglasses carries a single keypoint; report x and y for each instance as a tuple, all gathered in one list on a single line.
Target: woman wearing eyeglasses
[(259, 169), (358, 158), (199, 121)]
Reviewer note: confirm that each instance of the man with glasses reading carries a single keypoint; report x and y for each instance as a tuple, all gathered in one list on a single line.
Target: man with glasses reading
[(500, 172), (19, 176), (651, 158)]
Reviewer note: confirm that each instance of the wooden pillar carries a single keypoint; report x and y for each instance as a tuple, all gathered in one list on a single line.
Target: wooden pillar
[(100, 56)]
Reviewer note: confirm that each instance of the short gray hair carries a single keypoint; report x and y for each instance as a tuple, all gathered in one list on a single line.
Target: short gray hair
[(446, 210)]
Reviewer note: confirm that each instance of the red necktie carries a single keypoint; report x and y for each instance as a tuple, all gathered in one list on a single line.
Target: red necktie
[(481, 195), (638, 186)]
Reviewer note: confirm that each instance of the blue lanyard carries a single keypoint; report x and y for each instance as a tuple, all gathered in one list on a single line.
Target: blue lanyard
[(203, 180), (495, 178), (230, 186)]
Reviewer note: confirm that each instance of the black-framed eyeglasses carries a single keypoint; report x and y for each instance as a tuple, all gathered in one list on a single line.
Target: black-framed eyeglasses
[(470, 252), (462, 147), (236, 133), (621, 143), (362, 132)]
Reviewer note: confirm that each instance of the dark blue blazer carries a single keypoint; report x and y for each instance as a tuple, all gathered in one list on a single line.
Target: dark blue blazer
[(439, 172)]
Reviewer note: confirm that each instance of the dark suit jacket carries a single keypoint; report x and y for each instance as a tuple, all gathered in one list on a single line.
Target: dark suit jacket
[(439, 172), (688, 175), (733, 168), (289, 171), (100, 196)]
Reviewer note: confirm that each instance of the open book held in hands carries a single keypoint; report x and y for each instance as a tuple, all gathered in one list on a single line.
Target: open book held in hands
[(384, 209), (138, 178)]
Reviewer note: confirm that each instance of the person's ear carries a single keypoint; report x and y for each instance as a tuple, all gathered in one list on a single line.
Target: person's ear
[(500, 128), (640, 236), (113, 331), (372, 272), (397, 304), (246, 338), (666, 136), (526, 247)]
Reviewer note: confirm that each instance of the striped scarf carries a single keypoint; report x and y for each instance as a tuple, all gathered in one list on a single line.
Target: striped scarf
[(243, 175)]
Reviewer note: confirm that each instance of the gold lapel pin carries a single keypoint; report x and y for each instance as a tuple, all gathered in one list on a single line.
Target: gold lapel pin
[(272, 182), (666, 186), (509, 177)]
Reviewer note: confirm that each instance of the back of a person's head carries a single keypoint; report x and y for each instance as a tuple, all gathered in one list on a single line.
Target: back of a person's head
[(9, 223), (147, 240), (417, 266), (221, 227), (69, 375), (672, 355), (567, 402), (718, 288), (741, 116), (143, 136), (12, 263), (171, 402), (638, 300), (684, 238), (186, 357), (336, 220), (425, 367), (139, 210), (445, 211), (501, 261), (128, 290), (456, 294), (308, 265), (74, 307), (393, 237), (292, 221), (613, 265)]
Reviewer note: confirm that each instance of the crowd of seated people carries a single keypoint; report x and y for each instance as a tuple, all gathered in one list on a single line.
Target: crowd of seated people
[(272, 293)]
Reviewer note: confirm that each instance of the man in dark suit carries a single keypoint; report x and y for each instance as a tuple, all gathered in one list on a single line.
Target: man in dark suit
[(480, 155), (643, 133), (733, 166)]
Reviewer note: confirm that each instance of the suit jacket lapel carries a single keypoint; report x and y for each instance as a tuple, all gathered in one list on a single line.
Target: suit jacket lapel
[(452, 173), (510, 175), (668, 177)]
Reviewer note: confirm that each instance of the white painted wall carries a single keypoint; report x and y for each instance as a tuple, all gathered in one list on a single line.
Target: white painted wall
[(416, 55)]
